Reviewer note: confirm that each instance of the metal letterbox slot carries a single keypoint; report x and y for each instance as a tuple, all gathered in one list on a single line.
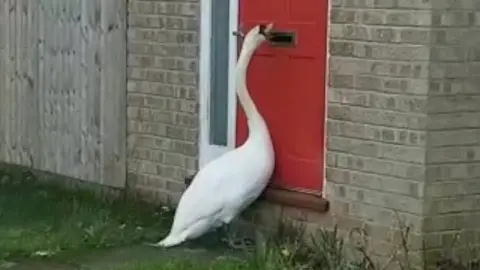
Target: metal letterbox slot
[(283, 39)]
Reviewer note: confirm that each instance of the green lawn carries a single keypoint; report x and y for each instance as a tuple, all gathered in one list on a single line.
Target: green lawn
[(40, 220), (225, 264), (48, 222), (58, 225)]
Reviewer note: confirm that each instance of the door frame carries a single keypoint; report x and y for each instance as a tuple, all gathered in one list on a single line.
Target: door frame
[(207, 151)]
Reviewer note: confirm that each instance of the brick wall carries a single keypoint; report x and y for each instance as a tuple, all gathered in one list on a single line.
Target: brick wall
[(162, 96), (403, 119), (377, 101), (452, 195)]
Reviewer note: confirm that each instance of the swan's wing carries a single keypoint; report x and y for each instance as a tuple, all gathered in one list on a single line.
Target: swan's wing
[(214, 189), (202, 199)]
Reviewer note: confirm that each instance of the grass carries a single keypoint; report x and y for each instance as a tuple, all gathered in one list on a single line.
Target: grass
[(48, 221), (45, 220), (224, 264), (283, 250)]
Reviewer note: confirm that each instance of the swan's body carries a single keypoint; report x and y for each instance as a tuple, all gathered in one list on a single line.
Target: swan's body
[(230, 183)]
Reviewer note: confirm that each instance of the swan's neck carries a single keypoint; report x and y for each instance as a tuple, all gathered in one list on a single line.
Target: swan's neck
[(255, 120)]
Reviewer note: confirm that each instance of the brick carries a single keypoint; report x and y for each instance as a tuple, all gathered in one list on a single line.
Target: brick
[(175, 187), (464, 120), (147, 154), (144, 167), (454, 154), (412, 4), (373, 99), (441, 87), (385, 3), (458, 5), (449, 53), (174, 159), (384, 35), (373, 17), (164, 90), (146, 128), (377, 231), (396, 52), (457, 103), (449, 137), (452, 188), (166, 50), (162, 76), (162, 22), (168, 172), (408, 171), (379, 150), (385, 217), (176, 64), (452, 171), (408, 18), (441, 223), (164, 8), (151, 115), (382, 199), (416, 36), (358, 3), (376, 133), (453, 205), (341, 48), (449, 70), (343, 16), (376, 72), (376, 182), (371, 116)]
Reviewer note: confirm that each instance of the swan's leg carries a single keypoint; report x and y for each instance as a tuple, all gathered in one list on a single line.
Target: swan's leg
[(228, 235), (233, 240), (231, 236)]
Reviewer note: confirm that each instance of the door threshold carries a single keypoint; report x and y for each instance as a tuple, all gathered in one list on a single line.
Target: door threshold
[(291, 198), (296, 199)]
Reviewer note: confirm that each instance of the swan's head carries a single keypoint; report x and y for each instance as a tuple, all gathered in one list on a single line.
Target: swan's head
[(258, 34)]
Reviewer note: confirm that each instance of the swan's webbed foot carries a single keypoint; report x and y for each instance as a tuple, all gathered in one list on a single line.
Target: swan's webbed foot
[(233, 241)]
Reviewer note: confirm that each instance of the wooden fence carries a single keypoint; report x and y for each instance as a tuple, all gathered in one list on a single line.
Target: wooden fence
[(63, 87)]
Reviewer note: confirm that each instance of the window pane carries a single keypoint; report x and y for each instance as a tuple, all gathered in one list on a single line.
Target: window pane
[(219, 72)]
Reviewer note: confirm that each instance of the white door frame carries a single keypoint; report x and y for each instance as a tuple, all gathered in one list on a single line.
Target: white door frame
[(207, 151)]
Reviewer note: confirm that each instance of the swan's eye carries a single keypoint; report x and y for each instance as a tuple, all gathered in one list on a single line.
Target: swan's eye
[(262, 29)]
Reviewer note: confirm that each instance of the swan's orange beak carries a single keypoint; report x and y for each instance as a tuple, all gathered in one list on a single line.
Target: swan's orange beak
[(268, 30)]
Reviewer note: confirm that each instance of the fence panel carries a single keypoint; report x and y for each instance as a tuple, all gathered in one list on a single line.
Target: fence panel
[(63, 87)]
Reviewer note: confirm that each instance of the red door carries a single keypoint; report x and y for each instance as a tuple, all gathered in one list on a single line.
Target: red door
[(288, 86)]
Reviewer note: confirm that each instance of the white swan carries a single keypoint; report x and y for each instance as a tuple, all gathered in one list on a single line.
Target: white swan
[(230, 183)]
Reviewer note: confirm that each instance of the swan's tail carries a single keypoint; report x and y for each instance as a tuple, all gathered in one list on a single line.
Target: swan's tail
[(169, 241)]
